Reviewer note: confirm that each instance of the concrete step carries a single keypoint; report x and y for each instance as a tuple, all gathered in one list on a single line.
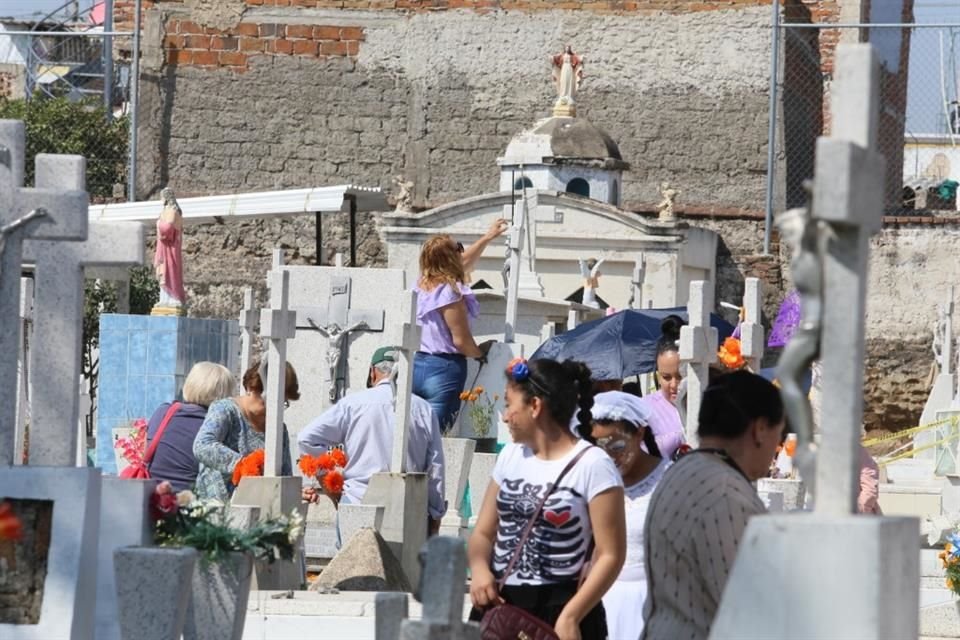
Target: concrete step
[(910, 471), (939, 618)]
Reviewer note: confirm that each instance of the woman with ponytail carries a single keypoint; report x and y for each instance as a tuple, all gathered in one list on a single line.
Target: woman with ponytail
[(700, 509), (621, 428), (573, 519), (664, 417)]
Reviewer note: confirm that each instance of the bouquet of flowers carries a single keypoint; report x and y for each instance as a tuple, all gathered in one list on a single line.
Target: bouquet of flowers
[(480, 410), (10, 525), (327, 469), (133, 449), (730, 354), (950, 557), (184, 521), (250, 465)]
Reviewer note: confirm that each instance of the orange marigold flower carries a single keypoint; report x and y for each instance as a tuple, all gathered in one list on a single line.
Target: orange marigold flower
[(474, 397), (10, 525), (326, 461), (478, 390), (333, 483), (250, 465), (339, 457), (309, 465), (496, 397), (464, 395), (730, 354)]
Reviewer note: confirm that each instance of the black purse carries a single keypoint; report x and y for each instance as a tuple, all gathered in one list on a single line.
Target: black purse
[(507, 622)]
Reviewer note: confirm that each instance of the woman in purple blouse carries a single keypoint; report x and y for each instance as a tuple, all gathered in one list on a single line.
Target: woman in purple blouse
[(446, 307), (664, 418)]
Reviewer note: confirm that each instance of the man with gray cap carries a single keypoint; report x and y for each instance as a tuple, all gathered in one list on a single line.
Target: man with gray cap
[(363, 422)]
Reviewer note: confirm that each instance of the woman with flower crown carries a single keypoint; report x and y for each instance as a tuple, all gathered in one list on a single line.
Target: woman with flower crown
[(554, 502)]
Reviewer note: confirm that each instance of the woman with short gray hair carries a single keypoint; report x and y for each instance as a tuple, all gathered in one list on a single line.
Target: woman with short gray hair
[(174, 425)]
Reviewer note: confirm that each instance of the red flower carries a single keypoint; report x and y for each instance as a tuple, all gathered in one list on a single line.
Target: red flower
[(339, 457), (10, 526), (326, 461), (309, 465), (163, 502), (333, 483)]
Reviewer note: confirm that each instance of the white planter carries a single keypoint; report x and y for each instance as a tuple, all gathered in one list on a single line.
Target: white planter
[(153, 591), (218, 607)]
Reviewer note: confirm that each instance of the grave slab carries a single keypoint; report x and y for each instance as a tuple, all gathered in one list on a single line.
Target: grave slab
[(457, 455), (481, 471)]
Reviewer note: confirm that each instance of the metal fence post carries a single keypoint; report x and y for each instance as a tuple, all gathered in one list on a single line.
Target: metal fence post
[(772, 130), (134, 104), (108, 59)]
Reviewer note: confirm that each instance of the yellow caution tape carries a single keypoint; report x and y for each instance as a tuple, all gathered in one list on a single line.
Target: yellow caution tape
[(906, 432), (909, 454)]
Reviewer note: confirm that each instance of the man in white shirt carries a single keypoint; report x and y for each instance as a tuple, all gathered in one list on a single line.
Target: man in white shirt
[(363, 422)]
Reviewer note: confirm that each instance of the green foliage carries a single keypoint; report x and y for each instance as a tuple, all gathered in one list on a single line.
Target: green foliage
[(144, 290), (57, 125)]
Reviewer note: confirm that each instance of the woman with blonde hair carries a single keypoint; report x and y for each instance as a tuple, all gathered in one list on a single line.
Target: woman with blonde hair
[(446, 307), (235, 428), (171, 437)]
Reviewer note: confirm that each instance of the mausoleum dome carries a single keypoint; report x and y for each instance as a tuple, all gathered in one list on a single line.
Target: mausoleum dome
[(564, 141)]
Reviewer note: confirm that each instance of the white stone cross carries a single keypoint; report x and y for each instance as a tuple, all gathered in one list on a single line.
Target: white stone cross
[(514, 245), (441, 592), (23, 354), (248, 324), (277, 324), (54, 210), (56, 348), (848, 197), (410, 342), (751, 329), (698, 349)]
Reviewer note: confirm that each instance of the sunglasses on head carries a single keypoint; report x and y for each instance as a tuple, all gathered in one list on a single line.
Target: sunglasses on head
[(460, 247)]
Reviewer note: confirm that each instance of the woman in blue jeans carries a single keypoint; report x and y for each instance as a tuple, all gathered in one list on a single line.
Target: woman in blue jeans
[(446, 307)]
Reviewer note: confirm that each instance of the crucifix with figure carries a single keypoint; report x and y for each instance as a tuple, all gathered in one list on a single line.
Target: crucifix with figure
[(54, 210)]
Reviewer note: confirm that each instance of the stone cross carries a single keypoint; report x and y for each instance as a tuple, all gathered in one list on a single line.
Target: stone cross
[(410, 342), (514, 245), (277, 324), (698, 349), (56, 349), (54, 210), (23, 354), (441, 591), (944, 334), (248, 324), (636, 282), (848, 200), (751, 329)]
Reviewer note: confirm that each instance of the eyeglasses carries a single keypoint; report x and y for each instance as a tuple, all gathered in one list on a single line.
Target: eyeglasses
[(614, 445), (460, 247)]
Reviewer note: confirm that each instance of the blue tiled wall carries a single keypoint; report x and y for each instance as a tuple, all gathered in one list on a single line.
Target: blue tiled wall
[(143, 363)]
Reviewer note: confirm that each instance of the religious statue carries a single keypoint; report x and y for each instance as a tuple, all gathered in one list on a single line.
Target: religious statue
[(567, 75), (404, 195), (590, 272), (168, 260), (801, 232), (336, 340), (666, 205)]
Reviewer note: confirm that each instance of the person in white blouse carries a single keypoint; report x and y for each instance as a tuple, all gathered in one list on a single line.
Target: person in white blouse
[(621, 427), (363, 422)]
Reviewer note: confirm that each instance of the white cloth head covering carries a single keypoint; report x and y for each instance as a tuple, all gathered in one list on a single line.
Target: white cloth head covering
[(620, 406)]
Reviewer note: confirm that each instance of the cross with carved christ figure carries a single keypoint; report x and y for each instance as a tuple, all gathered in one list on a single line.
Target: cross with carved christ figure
[(64, 209)]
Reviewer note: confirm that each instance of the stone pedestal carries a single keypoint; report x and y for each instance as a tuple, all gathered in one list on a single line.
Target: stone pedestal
[(491, 378), (481, 471), (124, 522), (274, 497), (404, 496), (457, 456), (143, 363), (778, 580)]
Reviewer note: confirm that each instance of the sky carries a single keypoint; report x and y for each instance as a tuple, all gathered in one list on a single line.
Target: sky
[(34, 8)]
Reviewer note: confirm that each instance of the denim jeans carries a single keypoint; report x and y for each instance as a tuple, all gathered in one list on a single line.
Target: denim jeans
[(439, 379)]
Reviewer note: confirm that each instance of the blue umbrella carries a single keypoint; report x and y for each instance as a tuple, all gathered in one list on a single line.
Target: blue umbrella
[(619, 345)]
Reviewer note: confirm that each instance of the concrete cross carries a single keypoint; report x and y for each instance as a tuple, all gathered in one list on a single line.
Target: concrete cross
[(23, 355), (848, 198), (751, 329), (277, 324), (248, 324), (698, 349), (56, 349), (54, 210), (410, 342), (441, 591), (514, 248)]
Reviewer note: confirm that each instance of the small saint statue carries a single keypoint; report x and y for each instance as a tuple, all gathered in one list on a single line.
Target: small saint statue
[(666, 205), (567, 75), (590, 272), (404, 195), (168, 260)]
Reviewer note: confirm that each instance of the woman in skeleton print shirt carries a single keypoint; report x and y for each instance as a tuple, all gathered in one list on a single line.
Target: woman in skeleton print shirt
[(541, 398)]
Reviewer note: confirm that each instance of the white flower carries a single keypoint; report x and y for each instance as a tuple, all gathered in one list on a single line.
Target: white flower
[(185, 498)]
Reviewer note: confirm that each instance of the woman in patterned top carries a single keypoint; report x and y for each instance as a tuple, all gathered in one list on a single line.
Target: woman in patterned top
[(620, 426), (700, 509), (234, 428), (587, 506)]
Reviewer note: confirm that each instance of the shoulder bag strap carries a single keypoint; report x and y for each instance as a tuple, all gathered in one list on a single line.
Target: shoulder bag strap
[(148, 458), (536, 514)]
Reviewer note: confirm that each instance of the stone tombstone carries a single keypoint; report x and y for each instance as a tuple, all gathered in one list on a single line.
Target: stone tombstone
[(491, 377), (441, 590), (277, 325), (56, 209), (457, 459), (777, 579), (698, 349), (374, 296), (248, 325), (751, 330), (58, 326), (390, 610), (481, 472)]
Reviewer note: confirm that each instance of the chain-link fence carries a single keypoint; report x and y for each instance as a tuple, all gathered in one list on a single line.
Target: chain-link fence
[(919, 130)]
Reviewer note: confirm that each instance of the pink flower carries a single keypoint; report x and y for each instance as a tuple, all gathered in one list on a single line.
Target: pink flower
[(163, 502)]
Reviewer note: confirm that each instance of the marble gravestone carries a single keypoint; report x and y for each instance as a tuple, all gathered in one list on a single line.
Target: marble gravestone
[(777, 582), (698, 349)]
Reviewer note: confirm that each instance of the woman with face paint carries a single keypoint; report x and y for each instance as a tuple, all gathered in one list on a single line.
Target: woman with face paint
[(620, 425)]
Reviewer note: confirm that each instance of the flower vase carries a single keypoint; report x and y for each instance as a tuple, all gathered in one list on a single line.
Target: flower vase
[(218, 607), (153, 590)]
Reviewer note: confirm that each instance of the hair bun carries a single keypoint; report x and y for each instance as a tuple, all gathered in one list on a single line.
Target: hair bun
[(670, 327)]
